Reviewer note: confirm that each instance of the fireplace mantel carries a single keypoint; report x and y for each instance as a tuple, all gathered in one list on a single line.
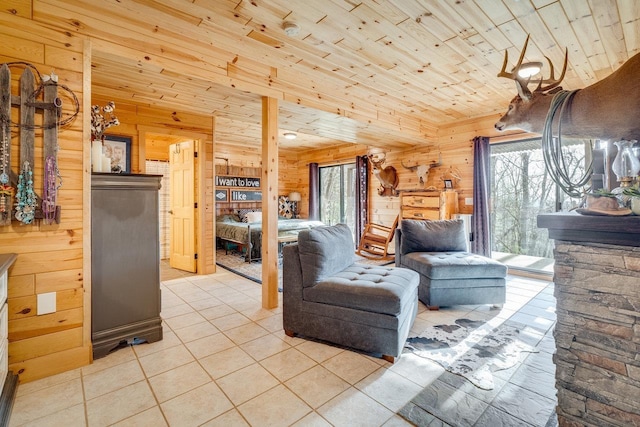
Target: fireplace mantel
[(573, 227)]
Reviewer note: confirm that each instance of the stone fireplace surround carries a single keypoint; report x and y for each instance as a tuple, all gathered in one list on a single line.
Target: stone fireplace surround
[(597, 334)]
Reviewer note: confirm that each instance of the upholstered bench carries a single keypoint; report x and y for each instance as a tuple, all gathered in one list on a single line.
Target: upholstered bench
[(329, 297), (449, 275)]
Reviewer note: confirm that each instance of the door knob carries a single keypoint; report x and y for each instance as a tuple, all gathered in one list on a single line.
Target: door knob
[(171, 212)]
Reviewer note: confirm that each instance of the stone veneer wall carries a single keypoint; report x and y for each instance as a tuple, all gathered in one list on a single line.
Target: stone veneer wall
[(597, 287)]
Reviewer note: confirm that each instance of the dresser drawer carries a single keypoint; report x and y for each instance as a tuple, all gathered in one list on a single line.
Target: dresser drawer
[(420, 214), (4, 361), (421, 201), (4, 322), (3, 287)]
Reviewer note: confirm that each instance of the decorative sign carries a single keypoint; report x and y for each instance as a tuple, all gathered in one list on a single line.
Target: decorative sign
[(245, 196), (222, 195), (237, 181)]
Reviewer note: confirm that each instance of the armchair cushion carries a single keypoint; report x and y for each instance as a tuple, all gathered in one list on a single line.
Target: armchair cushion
[(454, 265), (325, 251), (432, 236), (364, 287)]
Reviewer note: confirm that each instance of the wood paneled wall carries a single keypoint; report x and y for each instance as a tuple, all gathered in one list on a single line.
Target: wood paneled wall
[(56, 258), (238, 156), (138, 120), (232, 207), (454, 147), (51, 258)]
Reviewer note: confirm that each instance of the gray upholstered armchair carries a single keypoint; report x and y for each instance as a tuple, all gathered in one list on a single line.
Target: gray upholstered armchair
[(449, 275), (326, 295)]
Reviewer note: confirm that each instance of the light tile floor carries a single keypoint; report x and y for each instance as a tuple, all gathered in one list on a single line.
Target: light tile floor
[(225, 361)]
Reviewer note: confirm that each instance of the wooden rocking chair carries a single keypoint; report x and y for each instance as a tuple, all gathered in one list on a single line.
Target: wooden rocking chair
[(375, 240)]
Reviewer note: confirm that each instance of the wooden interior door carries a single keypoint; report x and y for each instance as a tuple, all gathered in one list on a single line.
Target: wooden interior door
[(182, 245)]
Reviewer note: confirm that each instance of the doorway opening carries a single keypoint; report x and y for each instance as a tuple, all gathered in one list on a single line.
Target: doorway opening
[(158, 161)]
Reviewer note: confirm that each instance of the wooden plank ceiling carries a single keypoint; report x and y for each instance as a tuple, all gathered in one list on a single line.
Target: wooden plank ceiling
[(386, 73)]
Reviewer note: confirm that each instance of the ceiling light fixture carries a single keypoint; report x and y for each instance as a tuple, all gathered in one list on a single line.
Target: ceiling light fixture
[(291, 28), (529, 69), (289, 135)]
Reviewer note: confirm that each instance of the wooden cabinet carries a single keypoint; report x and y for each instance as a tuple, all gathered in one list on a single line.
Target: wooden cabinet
[(428, 204), (125, 261)]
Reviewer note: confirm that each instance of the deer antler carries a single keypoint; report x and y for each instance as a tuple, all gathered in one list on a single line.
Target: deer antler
[(513, 75), (376, 159), (551, 80), (521, 84)]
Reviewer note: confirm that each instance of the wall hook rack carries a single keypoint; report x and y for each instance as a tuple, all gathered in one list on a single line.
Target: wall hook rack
[(29, 205)]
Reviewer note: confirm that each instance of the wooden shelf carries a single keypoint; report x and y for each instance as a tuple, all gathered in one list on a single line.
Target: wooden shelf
[(612, 230)]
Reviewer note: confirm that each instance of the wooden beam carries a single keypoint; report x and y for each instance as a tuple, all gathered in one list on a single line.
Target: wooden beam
[(210, 269), (269, 202), (202, 204), (86, 199)]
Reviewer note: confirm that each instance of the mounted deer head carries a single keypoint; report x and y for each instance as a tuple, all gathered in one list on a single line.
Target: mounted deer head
[(423, 170), (518, 113), (605, 110), (388, 176)]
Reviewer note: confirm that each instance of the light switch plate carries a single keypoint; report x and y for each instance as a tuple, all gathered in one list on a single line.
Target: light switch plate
[(46, 303), (468, 201)]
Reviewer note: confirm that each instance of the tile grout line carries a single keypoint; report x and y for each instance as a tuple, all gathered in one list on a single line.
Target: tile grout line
[(239, 288)]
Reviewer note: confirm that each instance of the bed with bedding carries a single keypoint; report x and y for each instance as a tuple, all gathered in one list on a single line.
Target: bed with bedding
[(231, 228)]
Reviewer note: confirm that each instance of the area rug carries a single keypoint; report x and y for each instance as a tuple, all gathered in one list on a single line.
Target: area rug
[(235, 262), (472, 349)]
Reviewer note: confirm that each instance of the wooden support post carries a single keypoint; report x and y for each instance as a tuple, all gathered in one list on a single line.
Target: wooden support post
[(269, 202)]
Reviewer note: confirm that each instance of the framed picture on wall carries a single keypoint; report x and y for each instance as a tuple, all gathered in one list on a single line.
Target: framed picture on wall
[(222, 195), (118, 149), (448, 184)]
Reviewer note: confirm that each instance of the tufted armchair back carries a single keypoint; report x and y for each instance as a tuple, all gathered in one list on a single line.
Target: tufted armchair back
[(325, 251), (416, 235)]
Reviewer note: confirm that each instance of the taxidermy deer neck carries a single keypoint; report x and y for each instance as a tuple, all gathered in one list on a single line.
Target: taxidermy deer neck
[(605, 110)]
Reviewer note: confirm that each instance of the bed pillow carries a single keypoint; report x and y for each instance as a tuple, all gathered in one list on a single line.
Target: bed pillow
[(285, 207), (254, 216), (432, 236), (228, 218), (242, 213)]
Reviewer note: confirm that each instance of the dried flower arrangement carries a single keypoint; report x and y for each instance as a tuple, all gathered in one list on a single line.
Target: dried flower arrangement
[(100, 123)]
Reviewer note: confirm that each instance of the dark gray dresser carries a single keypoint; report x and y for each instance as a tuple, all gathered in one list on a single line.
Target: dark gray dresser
[(125, 261)]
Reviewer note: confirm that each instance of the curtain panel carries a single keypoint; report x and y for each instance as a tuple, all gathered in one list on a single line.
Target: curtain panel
[(480, 223), (314, 191), (362, 196)]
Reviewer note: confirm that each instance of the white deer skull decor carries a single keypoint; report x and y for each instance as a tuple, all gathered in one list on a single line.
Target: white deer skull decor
[(388, 176), (423, 170)]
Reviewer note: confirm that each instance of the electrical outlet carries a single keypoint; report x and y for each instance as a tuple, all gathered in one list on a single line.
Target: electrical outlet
[(468, 201), (46, 303)]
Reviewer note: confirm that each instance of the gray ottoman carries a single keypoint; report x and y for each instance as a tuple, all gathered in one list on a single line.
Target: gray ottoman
[(449, 275), (455, 278)]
